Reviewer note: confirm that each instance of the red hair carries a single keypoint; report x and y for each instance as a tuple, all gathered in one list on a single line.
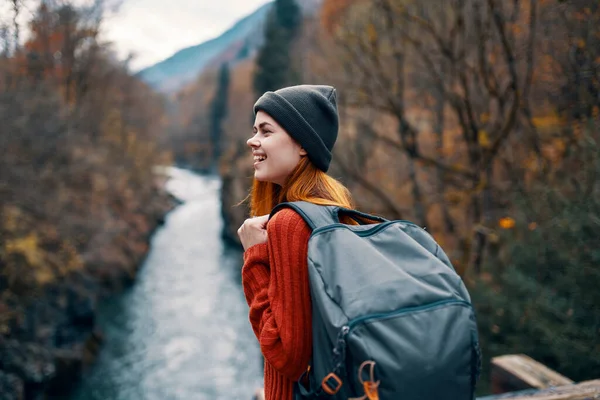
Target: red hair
[(305, 183)]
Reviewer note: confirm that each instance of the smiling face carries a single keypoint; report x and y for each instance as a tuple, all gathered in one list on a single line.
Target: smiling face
[(275, 153)]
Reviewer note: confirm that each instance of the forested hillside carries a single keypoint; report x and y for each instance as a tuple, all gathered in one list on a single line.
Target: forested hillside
[(79, 137)]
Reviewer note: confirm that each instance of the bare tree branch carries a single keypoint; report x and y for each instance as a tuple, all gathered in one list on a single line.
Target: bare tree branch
[(510, 60), (453, 170), (394, 212)]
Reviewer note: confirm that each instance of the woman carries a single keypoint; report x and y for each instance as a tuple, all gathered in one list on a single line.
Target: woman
[(294, 132)]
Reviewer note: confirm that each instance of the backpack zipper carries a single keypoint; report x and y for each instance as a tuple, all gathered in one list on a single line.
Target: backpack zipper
[(339, 351), (381, 316), (366, 232)]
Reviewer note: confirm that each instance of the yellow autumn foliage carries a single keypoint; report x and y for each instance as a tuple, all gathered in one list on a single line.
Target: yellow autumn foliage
[(484, 139), (11, 218), (36, 266), (506, 223), (41, 265), (547, 121), (26, 246), (372, 33)]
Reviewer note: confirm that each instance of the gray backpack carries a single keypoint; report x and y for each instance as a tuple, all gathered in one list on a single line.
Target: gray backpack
[(391, 318)]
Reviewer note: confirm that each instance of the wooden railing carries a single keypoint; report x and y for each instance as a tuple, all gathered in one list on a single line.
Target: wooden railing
[(518, 377)]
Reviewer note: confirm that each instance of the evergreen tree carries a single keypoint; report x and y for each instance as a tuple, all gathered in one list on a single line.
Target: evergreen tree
[(538, 294), (288, 16), (274, 68), (218, 111), (244, 52)]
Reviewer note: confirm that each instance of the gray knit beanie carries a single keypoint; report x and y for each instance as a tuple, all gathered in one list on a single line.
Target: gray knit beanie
[(309, 114)]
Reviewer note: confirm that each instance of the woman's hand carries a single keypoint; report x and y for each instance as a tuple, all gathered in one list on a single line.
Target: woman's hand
[(253, 231)]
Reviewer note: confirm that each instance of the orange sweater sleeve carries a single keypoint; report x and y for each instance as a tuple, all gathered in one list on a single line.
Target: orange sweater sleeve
[(276, 286)]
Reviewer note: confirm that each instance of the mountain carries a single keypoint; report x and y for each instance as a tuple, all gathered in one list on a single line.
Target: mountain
[(239, 42), (184, 66)]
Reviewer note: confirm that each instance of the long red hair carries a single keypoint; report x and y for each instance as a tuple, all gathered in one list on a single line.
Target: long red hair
[(305, 183)]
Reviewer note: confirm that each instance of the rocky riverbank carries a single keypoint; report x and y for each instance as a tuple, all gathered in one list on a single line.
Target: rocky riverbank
[(236, 174), (49, 336)]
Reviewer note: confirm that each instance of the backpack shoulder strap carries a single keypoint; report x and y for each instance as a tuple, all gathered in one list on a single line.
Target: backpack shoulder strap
[(316, 216)]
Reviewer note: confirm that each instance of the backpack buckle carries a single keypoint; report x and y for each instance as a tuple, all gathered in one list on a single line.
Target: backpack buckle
[(331, 384)]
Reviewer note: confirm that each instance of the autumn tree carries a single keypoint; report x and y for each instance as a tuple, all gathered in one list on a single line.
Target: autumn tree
[(218, 111), (80, 139), (274, 68), (537, 292), (62, 41), (460, 61)]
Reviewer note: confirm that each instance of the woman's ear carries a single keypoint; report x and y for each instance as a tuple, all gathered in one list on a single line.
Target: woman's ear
[(302, 151)]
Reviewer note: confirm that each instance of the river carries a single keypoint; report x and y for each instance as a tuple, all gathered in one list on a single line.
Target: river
[(181, 331)]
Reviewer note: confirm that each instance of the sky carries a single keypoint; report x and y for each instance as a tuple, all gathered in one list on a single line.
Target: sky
[(155, 29)]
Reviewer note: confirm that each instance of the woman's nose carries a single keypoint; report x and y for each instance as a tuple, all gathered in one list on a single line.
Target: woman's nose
[(253, 142)]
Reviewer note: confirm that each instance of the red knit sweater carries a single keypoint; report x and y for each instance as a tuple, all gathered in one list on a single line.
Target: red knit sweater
[(275, 280)]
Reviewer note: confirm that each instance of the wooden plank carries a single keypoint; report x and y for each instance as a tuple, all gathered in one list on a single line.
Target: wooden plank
[(588, 390), (518, 372)]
